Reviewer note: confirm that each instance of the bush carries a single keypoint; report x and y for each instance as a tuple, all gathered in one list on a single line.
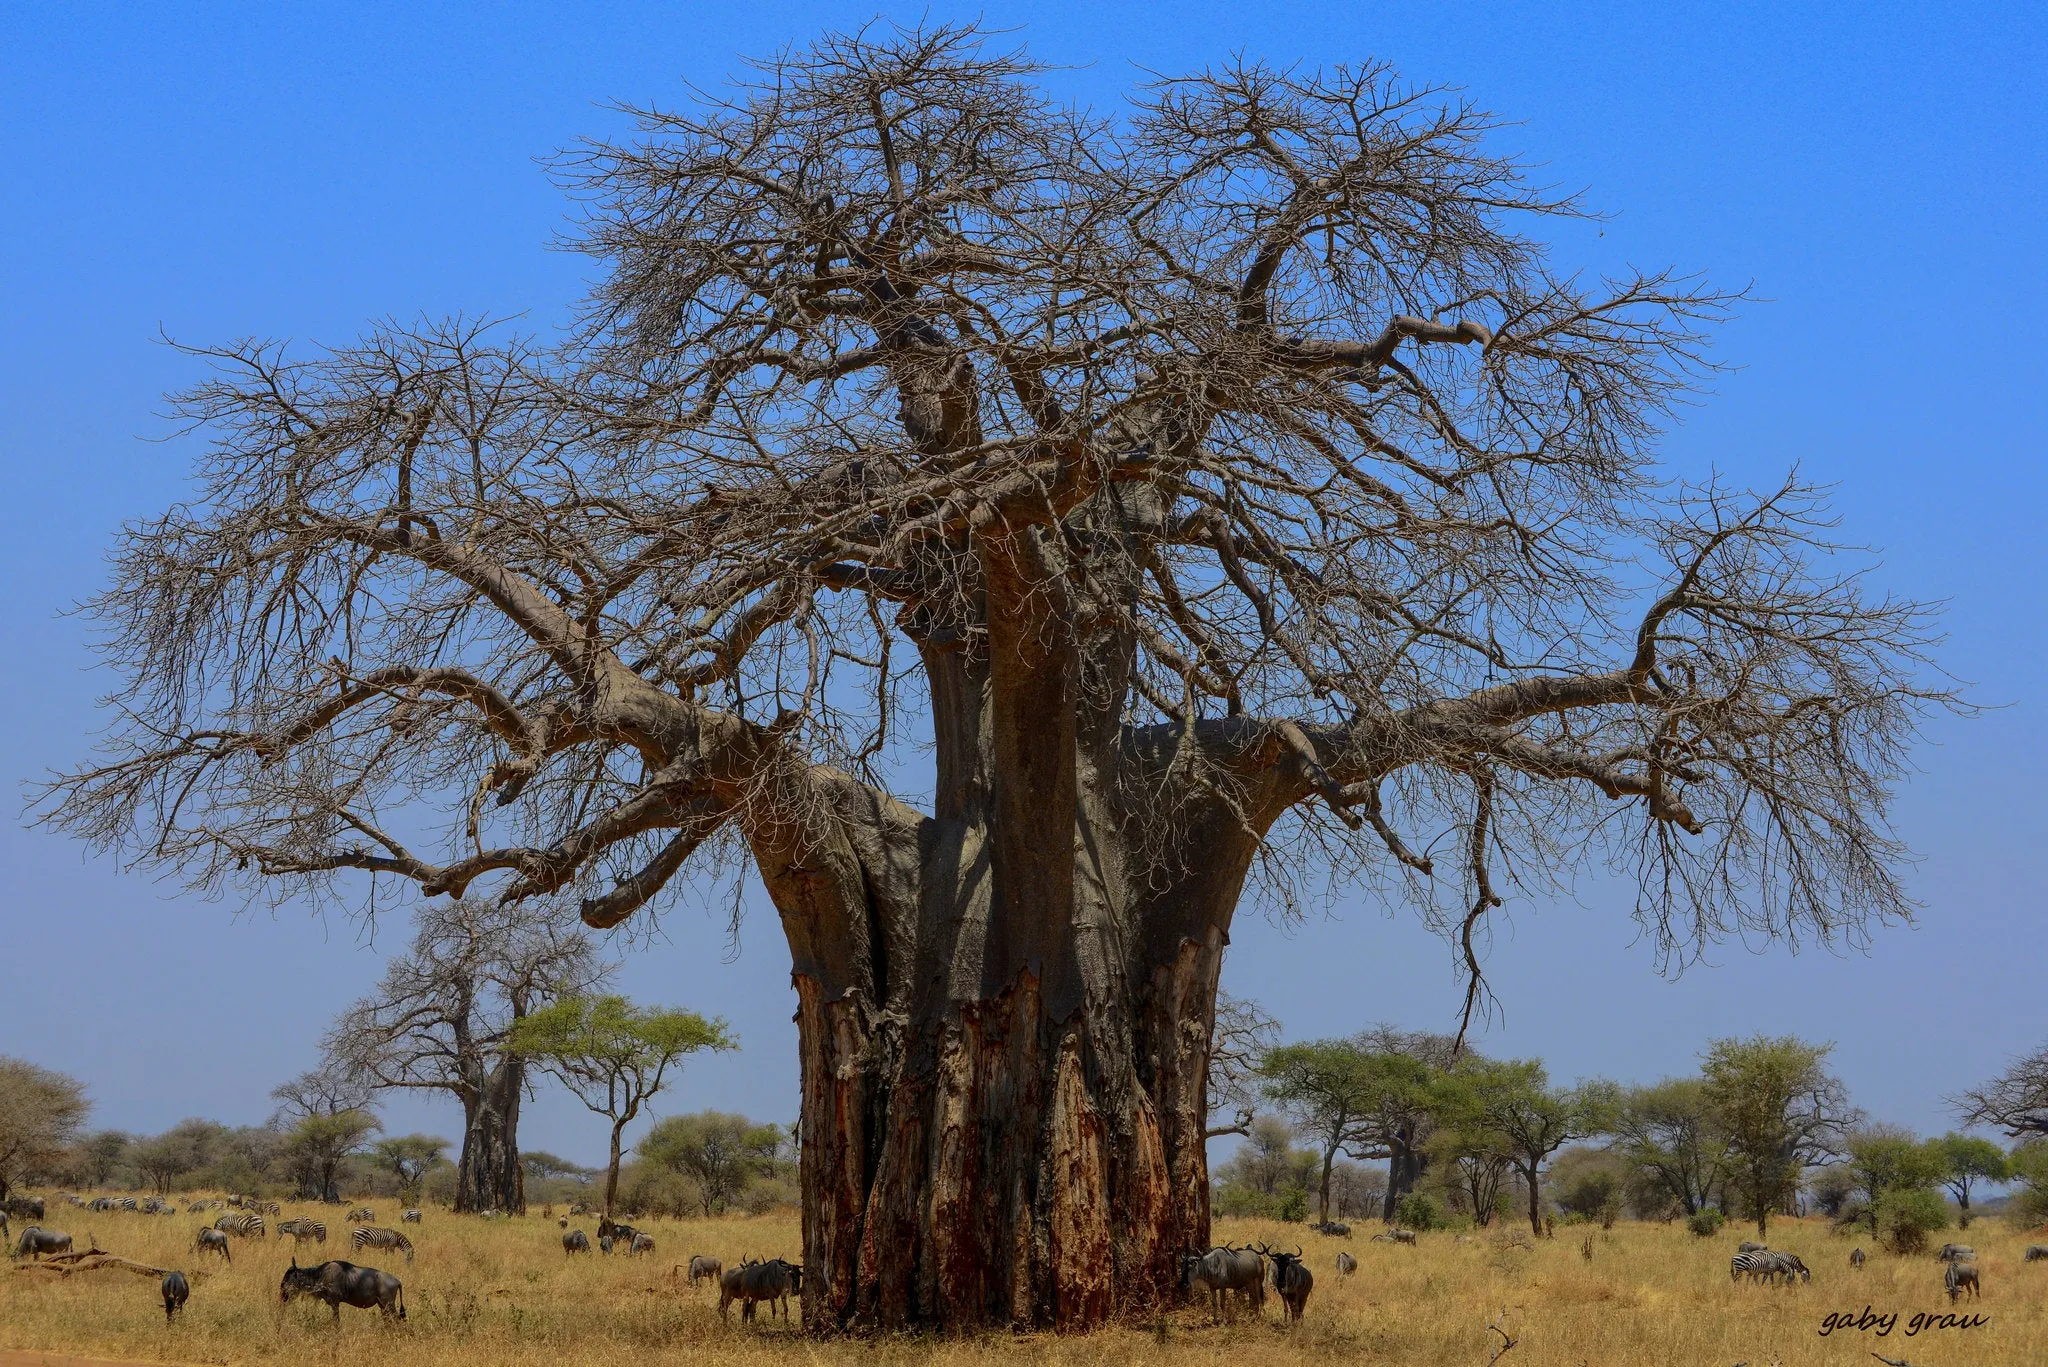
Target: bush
[(1905, 1217), (1706, 1223), (1293, 1205), (1418, 1212)]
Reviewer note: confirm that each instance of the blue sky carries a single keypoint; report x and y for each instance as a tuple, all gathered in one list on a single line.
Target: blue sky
[(214, 171)]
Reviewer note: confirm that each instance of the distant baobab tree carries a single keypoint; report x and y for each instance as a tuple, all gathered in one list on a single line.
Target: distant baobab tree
[(1002, 525)]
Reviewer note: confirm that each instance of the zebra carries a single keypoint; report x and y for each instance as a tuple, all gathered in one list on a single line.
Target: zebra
[(1957, 1276), (370, 1236), (2036, 1252), (411, 1217), (216, 1241), (1399, 1236), (302, 1230), (1748, 1247), (1762, 1264), (362, 1215), (1856, 1258), (264, 1207), (1957, 1253), (243, 1224)]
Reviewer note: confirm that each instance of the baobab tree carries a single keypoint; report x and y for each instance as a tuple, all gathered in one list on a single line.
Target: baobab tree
[(441, 1020), (1001, 526)]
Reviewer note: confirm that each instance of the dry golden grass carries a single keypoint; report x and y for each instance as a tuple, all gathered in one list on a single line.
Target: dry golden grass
[(503, 1293)]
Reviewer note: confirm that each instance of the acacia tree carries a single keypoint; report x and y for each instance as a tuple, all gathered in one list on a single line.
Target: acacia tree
[(1782, 1113), (1530, 1120), (1672, 1134), (613, 1056), (441, 1019), (1335, 1091), (41, 1110), (1230, 475), (409, 1158)]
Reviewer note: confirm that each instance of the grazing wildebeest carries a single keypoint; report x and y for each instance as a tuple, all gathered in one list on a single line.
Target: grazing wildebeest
[(1856, 1258), (575, 1241), (705, 1268), (2036, 1252), (579, 1208), (563, 1222), (1747, 1247), (774, 1281), (176, 1292), (642, 1243), (24, 1207), (1958, 1276), (362, 1215), (370, 1236), (1222, 1270), (1293, 1280), (604, 1244), (1396, 1234), (411, 1217), (1335, 1228), (37, 1241), (1346, 1264), (339, 1284), (1957, 1253), (213, 1240), (302, 1230), (242, 1224)]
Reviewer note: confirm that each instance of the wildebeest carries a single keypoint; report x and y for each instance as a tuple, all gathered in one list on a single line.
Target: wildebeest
[(1335, 1228), (1396, 1234), (1346, 1264), (339, 1284), (604, 1244), (176, 1292), (362, 1215), (2036, 1252), (302, 1230), (579, 1208), (36, 1241), (23, 1207), (214, 1240), (411, 1217), (1957, 1253), (1293, 1280), (1957, 1276), (642, 1243), (705, 1268), (370, 1236), (575, 1241), (1856, 1258), (774, 1281), (1223, 1270), (1747, 1246), (242, 1223)]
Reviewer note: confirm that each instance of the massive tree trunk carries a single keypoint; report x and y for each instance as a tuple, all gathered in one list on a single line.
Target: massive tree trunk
[(489, 1176), (1004, 1008), (1405, 1165)]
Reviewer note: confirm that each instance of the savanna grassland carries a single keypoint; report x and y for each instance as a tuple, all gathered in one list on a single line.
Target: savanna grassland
[(503, 1292)]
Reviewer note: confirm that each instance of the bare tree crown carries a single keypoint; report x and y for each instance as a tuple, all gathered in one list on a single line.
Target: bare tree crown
[(1255, 413)]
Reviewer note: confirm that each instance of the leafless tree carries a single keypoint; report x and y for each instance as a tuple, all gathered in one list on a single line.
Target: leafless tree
[(2016, 1101), (441, 1017), (1230, 477), (1241, 1035), (318, 1093)]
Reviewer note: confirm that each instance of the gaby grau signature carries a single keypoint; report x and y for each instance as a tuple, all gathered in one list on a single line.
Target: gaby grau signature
[(1882, 1325)]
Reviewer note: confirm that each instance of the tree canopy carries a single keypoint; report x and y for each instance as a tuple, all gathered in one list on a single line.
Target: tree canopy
[(40, 1112)]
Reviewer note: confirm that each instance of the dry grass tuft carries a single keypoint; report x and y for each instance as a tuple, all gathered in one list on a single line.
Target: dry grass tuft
[(502, 1294)]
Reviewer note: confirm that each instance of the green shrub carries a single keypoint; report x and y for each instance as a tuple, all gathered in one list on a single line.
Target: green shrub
[(1293, 1205), (1419, 1212), (1706, 1223), (1905, 1217)]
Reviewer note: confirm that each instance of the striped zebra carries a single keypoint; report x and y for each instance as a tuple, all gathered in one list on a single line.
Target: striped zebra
[(270, 1208), (411, 1217), (1761, 1264), (244, 1224), (302, 1230), (370, 1236), (362, 1215)]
